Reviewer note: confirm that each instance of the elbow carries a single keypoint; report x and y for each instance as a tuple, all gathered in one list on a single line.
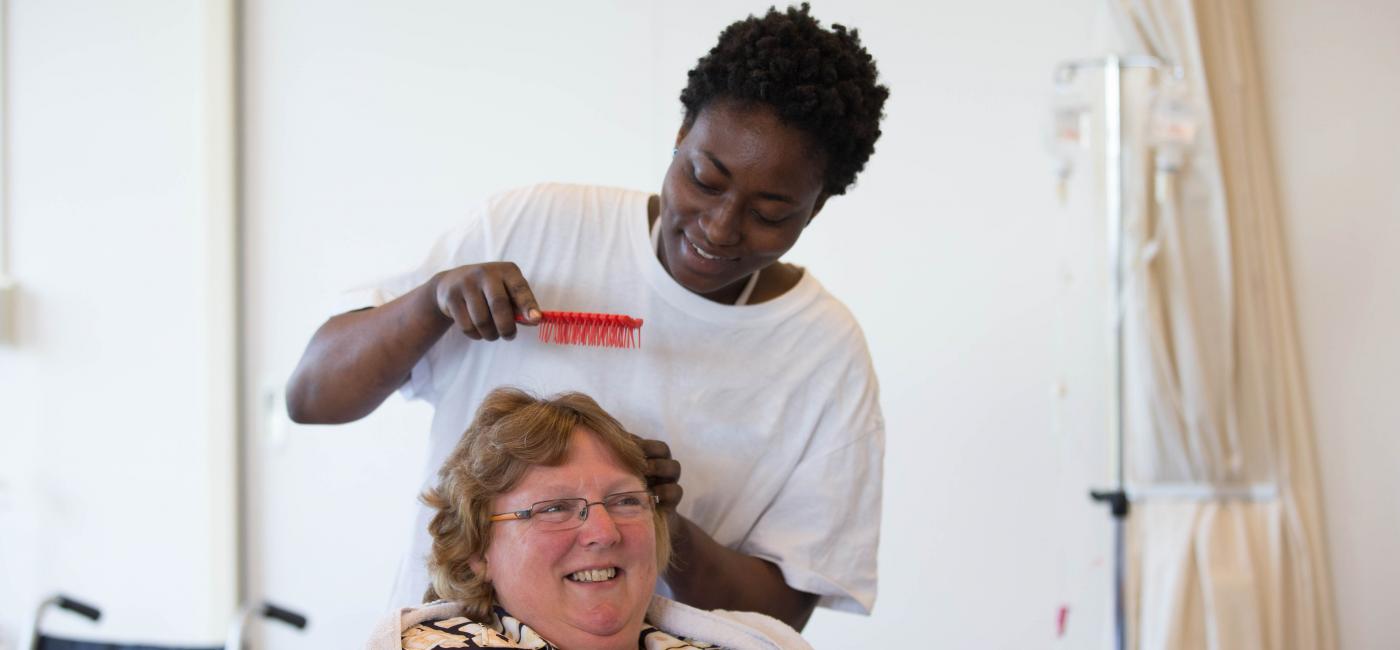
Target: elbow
[(309, 403), (300, 415), (298, 406), (303, 405)]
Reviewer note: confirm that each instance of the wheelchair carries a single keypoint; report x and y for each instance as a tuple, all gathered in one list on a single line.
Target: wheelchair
[(234, 640)]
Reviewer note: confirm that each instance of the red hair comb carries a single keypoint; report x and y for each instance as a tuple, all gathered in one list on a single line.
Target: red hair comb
[(582, 328)]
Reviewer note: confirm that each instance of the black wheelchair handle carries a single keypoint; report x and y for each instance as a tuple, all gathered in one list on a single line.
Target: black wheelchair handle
[(285, 615), (78, 607)]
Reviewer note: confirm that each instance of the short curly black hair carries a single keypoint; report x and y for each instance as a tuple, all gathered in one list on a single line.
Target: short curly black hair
[(821, 81)]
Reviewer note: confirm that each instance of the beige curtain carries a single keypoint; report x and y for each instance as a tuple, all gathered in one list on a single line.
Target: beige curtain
[(1225, 540)]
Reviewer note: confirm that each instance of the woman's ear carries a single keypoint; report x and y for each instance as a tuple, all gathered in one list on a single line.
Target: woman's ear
[(479, 567)]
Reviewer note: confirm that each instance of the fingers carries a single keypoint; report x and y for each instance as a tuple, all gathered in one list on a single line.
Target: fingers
[(483, 299), (653, 448), (670, 494), (521, 295), (502, 312), (480, 315), (458, 311), (662, 470)]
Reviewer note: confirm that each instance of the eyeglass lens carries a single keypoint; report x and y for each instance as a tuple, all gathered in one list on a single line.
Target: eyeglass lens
[(561, 514)]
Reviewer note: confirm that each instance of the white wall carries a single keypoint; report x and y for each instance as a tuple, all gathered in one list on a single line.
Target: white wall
[(116, 474), (1333, 84), (373, 126)]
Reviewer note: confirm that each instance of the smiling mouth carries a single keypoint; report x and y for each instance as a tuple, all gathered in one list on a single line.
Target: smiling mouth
[(701, 252), (593, 575)]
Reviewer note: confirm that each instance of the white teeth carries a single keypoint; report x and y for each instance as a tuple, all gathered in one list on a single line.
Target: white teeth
[(593, 575), (705, 255), (702, 253)]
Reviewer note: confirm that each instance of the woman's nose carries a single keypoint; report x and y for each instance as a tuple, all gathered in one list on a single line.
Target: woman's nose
[(721, 224), (598, 527)]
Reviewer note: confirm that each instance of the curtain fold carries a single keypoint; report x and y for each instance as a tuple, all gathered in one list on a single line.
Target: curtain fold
[(1214, 398)]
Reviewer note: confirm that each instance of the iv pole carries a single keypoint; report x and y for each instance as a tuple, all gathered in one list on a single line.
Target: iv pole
[(1115, 498)]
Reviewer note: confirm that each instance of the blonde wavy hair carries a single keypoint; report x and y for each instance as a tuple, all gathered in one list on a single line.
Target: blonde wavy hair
[(512, 431)]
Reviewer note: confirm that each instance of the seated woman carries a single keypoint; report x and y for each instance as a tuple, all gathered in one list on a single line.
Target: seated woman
[(545, 536)]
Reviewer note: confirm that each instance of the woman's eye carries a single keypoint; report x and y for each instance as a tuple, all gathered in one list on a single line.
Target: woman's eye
[(557, 506), (626, 500), (695, 178), (772, 221)]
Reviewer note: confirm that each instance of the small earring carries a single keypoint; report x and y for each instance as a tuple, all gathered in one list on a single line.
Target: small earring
[(673, 152)]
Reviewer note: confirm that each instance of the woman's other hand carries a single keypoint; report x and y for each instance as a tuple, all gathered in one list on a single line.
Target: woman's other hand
[(483, 299), (663, 472)]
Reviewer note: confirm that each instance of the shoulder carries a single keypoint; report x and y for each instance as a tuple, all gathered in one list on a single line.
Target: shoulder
[(565, 198), (836, 370), (736, 630), (558, 212), (402, 624), (445, 633), (828, 324), (454, 632)]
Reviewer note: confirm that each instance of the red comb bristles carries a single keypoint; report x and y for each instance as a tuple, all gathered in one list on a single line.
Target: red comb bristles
[(598, 330)]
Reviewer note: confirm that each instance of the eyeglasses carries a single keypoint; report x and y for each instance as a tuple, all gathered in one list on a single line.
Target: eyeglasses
[(566, 514)]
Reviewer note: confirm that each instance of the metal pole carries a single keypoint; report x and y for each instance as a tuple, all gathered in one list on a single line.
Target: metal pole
[(1113, 182), (1113, 103), (1114, 193)]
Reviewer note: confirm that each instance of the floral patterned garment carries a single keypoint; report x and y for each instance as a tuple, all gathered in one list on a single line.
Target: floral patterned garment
[(505, 631)]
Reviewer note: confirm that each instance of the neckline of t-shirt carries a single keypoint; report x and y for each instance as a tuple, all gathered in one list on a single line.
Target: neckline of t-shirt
[(806, 289)]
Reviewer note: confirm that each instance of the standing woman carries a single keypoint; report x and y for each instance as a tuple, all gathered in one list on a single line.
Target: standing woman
[(751, 373)]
